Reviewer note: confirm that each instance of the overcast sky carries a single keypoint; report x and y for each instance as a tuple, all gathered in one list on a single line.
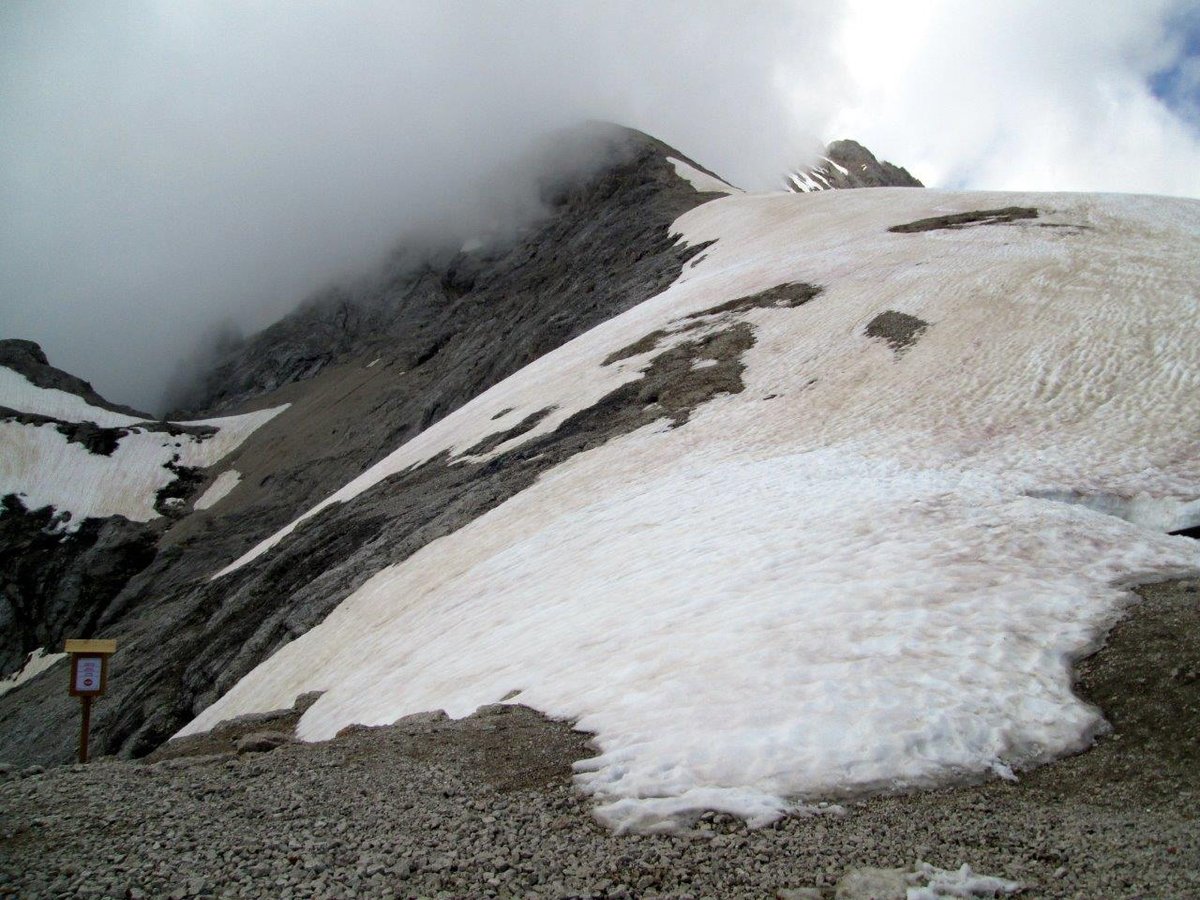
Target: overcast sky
[(168, 166)]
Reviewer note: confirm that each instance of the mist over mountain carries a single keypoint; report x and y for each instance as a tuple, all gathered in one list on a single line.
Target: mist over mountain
[(166, 170), (169, 173)]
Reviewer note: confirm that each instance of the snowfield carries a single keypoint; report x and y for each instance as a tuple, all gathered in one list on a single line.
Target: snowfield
[(44, 468), (35, 663), (871, 568), (219, 489)]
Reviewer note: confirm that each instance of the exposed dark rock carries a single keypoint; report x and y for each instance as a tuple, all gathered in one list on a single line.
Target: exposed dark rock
[(1006, 216), (900, 330), (637, 348), (101, 441), (783, 296), (56, 584), (173, 499), (262, 741), (491, 442), (862, 170)]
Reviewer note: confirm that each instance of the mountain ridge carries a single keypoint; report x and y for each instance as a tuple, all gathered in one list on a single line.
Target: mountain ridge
[(618, 218), (873, 372)]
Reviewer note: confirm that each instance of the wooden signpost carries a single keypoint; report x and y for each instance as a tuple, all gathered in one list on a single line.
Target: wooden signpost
[(89, 678)]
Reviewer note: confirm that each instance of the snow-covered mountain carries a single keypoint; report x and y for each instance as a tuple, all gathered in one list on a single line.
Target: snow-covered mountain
[(783, 496)]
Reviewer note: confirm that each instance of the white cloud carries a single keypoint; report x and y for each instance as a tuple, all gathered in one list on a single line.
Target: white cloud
[(164, 167), (1021, 94)]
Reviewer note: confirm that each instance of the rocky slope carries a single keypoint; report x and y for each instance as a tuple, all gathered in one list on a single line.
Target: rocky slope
[(362, 375), (938, 390), (88, 490), (483, 807)]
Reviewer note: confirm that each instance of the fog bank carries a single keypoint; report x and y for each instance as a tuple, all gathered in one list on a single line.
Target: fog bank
[(170, 166), (169, 171)]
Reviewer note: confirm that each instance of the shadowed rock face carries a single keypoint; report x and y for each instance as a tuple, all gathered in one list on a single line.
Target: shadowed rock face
[(438, 336), (53, 585)]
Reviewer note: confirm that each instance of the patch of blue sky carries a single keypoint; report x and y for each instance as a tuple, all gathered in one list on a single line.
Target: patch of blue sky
[(1178, 85)]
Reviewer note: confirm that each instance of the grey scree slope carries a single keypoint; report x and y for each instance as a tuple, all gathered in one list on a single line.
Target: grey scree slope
[(482, 807), (443, 333)]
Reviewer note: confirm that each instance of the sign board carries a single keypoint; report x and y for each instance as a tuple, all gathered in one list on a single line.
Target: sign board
[(76, 645), (89, 678), (89, 674), (88, 670)]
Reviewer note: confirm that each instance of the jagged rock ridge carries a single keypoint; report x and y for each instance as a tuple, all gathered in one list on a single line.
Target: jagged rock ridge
[(848, 164)]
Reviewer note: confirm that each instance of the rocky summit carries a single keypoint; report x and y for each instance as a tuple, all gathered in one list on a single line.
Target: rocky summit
[(686, 541), (848, 164)]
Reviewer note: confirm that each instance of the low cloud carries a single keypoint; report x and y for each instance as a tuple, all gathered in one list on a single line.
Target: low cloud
[(167, 166), (1025, 95), (171, 170)]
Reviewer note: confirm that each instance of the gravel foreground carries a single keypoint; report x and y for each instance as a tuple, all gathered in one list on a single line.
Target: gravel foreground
[(483, 807)]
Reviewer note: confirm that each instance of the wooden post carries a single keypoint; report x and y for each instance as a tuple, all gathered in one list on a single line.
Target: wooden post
[(89, 678), (86, 700)]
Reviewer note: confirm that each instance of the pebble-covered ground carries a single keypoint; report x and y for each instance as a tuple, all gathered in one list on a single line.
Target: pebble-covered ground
[(484, 807)]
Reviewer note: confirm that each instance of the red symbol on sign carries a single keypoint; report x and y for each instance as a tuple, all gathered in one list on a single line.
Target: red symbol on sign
[(87, 682)]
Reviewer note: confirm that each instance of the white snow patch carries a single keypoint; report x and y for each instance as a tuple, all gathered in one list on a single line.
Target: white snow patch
[(701, 181), (37, 662), (851, 587), (743, 631), (374, 362), (1159, 513), (960, 883), (19, 393), (841, 169), (805, 182), (219, 489), (43, 468)]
